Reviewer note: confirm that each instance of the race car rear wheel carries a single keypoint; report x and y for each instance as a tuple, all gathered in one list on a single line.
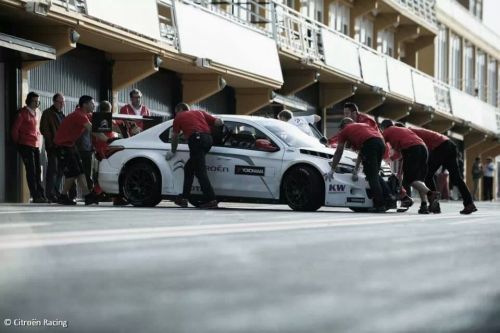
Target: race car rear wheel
[(303, 188), (141, 184)]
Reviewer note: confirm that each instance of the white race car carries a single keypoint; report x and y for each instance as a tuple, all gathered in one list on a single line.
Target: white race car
[(253, 159)]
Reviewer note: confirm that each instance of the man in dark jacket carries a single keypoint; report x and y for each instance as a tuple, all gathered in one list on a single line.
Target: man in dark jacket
[(50, 122)]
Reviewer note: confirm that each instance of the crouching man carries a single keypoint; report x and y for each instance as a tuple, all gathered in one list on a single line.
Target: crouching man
[(369, 143)]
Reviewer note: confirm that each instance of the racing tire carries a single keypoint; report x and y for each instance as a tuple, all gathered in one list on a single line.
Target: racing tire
[(303, 189), (141, 185)]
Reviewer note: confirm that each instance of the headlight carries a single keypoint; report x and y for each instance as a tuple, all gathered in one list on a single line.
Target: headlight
[(344, 168)]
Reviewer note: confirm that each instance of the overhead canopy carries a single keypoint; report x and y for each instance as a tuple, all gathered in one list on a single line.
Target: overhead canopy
[(27, 50)]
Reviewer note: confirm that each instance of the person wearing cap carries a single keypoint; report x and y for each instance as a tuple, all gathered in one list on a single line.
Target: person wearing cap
[(301, 122), (370, 144), (196, 128), (443, 152), (414, 154), (489, 173)]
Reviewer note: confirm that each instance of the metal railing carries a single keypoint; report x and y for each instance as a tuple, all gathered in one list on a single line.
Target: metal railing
[(78, 6)]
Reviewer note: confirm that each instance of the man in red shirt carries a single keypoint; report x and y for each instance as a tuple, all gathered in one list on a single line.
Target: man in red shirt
[(415, 155), (26, 135), (195, 125), (70, 130), (370, 144), (135, 108), (443, 152), (351, 111)]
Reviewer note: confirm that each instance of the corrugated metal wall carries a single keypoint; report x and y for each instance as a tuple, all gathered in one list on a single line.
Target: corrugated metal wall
[(160, 92), (79, 72)]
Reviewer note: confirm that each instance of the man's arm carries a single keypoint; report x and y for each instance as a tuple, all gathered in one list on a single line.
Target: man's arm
[(218, 122), (98, 136), (358, 162), (337, 156), (175, 142)]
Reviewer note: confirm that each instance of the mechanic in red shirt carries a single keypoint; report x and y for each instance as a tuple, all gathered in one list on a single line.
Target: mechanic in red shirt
[(72, 127), (26, 135), (135, 108), (370, 144), (196, 128), (351, 111), (414, 153), (443, 152)]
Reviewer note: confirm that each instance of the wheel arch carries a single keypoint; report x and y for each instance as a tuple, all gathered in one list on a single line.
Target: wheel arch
[(296, 165), (134, 161)]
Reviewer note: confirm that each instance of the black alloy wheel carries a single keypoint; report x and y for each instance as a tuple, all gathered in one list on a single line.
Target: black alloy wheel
[(303, 188), (141, 185)]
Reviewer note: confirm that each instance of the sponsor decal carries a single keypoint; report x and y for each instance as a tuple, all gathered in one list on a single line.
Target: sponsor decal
[(219, 168), (249, 170), (336, 188), (356, 200)]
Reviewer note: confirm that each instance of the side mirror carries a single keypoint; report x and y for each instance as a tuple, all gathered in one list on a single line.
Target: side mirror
[(265, 145)]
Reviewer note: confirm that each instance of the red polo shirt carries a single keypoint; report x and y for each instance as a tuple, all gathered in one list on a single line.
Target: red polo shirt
[(432, 139), (193, 121), (366, 119), (401, 138), (357, 134), (26, 128), (129, 109), (72, 127)]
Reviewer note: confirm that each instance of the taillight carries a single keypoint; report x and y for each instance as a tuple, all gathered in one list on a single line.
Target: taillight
[(110, 150)]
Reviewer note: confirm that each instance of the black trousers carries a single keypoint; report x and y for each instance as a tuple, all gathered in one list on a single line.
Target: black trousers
[(487, 188), (199, 146), (445, 155), (54, 174), (372, 153), (31, 160)]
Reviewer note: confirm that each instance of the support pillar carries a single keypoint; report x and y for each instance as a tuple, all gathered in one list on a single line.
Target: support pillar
[(197, 87), (249, 100), (333, 93), (297, 80)]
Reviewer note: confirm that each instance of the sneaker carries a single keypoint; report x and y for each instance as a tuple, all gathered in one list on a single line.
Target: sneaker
[(65, 200), (209, 205), (91, 198), (40, 200), (119, 201), (436, 209), (406, 202), (423, 208), (181, 202), (470, 208), (433, 198), (380, 209)]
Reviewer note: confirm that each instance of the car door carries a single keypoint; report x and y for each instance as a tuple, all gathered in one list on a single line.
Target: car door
[(244, 164), (175, 185)]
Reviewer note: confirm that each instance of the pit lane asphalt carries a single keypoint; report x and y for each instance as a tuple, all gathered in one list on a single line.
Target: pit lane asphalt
[(249, 268)]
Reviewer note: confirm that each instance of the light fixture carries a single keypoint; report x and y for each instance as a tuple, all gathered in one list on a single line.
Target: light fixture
[(74, 36), (157, 61)]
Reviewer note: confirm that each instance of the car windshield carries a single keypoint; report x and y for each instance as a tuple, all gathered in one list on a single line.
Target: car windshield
[(292, 135)]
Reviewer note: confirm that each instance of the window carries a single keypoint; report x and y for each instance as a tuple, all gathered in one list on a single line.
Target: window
[(166, 136), (385, 42), (456, 63), (492, 82), (481, 75), (469, 68), (339, 17), (312, 9), (364, 30), (442, 63), (241, 136)]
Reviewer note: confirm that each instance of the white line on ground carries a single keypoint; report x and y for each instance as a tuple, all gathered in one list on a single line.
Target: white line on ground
[(22, 225), (112, 235), (74, 210)]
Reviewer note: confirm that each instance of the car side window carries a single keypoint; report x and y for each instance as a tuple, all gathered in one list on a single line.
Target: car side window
[(241, 136), (166, 136)]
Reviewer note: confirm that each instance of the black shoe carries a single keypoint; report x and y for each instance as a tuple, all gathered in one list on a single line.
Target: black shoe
[(380, 209), (119, 201), (91, 198), (470, 208), (436, 209), (433, 198), (209, 205), (181, 202), (406, 202), (65, 200), (423, 208), (40, 200)]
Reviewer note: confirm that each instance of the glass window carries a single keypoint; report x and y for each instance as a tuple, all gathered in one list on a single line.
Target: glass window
[(240, 135), (481, 75), (443, 54), (385, 42), (469, 68), (292, 136), (339, 17), (492, 82), (364, 30), (166, 136), (456, 63)]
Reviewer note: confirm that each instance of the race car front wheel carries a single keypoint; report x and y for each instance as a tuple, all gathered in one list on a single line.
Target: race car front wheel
[(141, 184), (303, 188)]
